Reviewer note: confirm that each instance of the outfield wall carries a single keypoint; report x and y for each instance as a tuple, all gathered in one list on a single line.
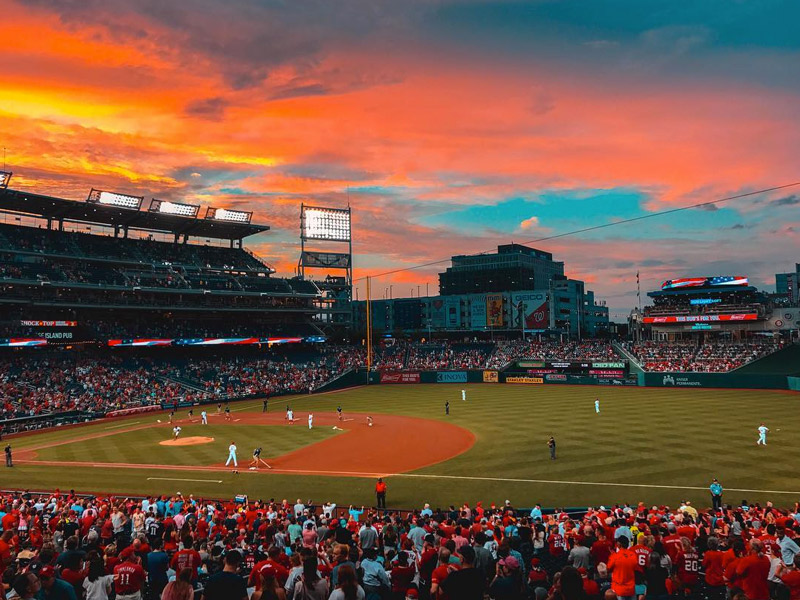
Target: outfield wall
[(682, 380)]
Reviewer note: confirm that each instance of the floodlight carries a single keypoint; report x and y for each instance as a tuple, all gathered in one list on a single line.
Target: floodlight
[(326, 224), (114, 199), (174, 208), (5, 177), (223, 214)]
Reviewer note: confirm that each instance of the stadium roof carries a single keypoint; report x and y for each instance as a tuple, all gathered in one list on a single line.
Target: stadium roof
[(50, 207)]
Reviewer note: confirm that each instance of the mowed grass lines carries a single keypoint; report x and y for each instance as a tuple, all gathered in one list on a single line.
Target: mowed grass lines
[(643, 437), (142, 446)]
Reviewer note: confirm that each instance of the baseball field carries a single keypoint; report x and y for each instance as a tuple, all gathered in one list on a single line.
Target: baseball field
[(654, 445)]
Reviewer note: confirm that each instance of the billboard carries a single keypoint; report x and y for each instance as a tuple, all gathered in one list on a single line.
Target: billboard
[(692, 282), (451, 377), (453, 311), (530, 310), (437, 313), (702, 318), (524, 380), (399, 377), (477, 311), (491, 377), (494, 310)]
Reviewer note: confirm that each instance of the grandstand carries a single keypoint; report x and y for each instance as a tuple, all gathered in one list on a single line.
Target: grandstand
[(87, 272)]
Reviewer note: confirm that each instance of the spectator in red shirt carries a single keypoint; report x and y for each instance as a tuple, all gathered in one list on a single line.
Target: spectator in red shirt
[(753, 571), (712, 565), (129, 577), (790, 577), (623, 565), (188, 558)]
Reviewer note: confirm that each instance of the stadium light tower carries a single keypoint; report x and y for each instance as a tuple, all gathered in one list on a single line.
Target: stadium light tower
[(323, 226)]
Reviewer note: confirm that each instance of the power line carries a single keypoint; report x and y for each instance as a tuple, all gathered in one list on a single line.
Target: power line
[(596, 227)]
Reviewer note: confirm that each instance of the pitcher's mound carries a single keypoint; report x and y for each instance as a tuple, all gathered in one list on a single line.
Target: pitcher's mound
[(187, 441)]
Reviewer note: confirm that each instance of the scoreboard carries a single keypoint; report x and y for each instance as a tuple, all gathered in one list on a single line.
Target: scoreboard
[(592, 368)]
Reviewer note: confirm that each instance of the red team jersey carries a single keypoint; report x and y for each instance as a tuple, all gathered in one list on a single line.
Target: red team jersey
[(688, 565), (128, 578)]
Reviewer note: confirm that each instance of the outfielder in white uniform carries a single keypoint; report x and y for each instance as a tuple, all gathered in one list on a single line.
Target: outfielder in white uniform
[(310, 420), (464, 395), (762, 435), (204, 418), (597, 406), (232, 455)]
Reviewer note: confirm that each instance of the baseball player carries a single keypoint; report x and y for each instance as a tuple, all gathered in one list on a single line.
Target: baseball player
[(204, 417), (290, 415), (176, 431), (232, 455), (227, 412), (310, 420)]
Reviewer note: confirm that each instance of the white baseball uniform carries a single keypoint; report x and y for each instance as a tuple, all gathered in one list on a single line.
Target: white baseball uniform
[(232, 455)]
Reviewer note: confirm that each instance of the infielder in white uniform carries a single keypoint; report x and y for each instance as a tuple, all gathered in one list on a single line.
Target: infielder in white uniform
[(204, 418), (290, 416), (762, 435), (310, 420), (232, 455)]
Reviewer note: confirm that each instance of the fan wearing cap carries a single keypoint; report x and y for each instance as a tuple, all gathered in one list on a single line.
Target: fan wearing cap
[(53, 588), (507, 582)]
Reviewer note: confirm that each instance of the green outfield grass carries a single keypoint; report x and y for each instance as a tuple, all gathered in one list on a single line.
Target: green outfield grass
[(653, 445)]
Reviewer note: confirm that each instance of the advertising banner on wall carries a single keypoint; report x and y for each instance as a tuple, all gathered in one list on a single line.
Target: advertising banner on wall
[(477, 311), (437, 313), (530, 310), (524, 380), (451, 377), (494, 310), (491, 377), (453, 310), (399, 377)]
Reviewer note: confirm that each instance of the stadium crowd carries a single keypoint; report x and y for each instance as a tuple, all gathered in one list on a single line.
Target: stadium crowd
[(64, 547), (705, 358)]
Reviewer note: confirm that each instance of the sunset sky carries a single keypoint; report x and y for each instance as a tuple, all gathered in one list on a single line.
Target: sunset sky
[(449, 125)]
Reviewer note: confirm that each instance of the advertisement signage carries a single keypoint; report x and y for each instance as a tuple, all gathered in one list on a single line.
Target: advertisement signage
[(451, 377), (524, 380), (530, 310), (491, 377), (608, 365), (606, 373), (494, 310), (437, 313), (556, 377), (702, 318), (453, 309), (527, 364), (477, 311), (399, 377)]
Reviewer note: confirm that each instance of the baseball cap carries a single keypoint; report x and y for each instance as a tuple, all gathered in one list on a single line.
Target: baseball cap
[(47, 571), (267, 570), (510, 562), (535, 562)]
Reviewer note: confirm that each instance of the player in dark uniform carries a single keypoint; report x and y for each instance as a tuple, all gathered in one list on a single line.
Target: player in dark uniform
[(219, 408), (191, 413), (339, 411), (447, 407), (227, 412), (265, 405), (171, 415)]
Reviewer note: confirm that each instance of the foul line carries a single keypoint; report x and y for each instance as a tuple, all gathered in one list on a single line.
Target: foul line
[(177, 479), (123, 425), (601, 483)]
